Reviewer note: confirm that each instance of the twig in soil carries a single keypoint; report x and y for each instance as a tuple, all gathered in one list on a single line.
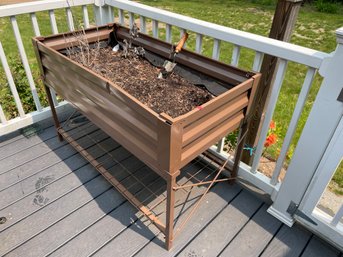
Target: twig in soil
[(128, 50), (83, 49)]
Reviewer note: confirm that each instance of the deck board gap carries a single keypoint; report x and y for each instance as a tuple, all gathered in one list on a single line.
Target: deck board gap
[(271, 239), (94, 222), (239, 231), (64, 143), (209, 222), (57, 179), (56, 221)]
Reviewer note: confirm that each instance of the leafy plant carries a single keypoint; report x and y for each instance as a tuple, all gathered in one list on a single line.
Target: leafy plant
[(264, 2), (231, 139), (23, 88), (326, 6)]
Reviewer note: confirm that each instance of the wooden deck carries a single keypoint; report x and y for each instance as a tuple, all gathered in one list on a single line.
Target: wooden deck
[(56, 204)]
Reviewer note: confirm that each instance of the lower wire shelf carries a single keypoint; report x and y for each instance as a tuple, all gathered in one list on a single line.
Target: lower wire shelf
[(200, 174)]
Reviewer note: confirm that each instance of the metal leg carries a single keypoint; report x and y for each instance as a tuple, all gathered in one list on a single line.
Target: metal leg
[(239, 150), (171, 183), (53, 110)]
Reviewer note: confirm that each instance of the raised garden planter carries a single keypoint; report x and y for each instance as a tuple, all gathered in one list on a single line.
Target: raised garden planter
[(163, 143)]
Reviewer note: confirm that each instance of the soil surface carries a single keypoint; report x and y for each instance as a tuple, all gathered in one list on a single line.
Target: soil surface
[(173, 95)]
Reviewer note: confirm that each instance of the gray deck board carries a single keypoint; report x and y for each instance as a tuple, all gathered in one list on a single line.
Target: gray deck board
[(147, 230), (32, 183), (40, 151), (216, 200), (319, 248), (288, 242), (56, 204), (91, 212), (254, 237), (94, 236), (45, 161), (56, 189), (224, 227), (22, 143)]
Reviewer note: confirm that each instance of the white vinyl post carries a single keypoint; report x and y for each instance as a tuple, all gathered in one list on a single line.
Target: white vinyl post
[(322, 122)]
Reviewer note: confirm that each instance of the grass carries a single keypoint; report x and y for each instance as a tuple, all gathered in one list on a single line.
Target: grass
[(313, 29)]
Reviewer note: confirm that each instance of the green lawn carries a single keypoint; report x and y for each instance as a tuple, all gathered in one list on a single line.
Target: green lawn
[(313, 29)]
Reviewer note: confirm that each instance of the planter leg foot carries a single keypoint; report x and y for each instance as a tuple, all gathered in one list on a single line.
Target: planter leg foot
[(53, 111), (171, 182)]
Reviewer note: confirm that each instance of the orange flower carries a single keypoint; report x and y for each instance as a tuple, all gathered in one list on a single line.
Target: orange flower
[(272, 124), (270, 140)]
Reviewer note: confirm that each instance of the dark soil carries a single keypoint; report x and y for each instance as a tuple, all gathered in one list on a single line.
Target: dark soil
[(174, 95)]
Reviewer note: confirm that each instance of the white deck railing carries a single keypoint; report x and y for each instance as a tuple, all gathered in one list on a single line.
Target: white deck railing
[(125, 12), (104, 14)]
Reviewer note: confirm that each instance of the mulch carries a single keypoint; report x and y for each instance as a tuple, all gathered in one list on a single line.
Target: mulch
[(173, 95)]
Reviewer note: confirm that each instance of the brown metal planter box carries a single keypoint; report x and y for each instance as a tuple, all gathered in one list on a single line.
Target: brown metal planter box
[(163, 143)]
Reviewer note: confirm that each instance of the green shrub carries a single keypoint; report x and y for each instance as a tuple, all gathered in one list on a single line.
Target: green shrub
[(327, 6), (264, 2), (23, 88)]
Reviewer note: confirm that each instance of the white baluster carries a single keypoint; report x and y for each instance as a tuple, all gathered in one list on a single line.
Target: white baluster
[(280, 74), (337, 217), (215, 55), (155, 28), (257, 61), (121, 17), (35, 24), (25, 62), (235, 55), (216, 49), (11, 82), (85, 16), (54, 30), (183, 31), (169, 33), (3, 119), (53, 23), (305, 89), (70, 20), (131, 19), (109, 14), (142, 24), (198, 43)]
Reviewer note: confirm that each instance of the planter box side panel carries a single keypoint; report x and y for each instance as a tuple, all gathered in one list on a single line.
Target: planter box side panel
[(106, 108), (214, 120)]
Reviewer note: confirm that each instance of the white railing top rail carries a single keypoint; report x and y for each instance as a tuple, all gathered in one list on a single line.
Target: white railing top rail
[(262, 44), (38, 6)]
